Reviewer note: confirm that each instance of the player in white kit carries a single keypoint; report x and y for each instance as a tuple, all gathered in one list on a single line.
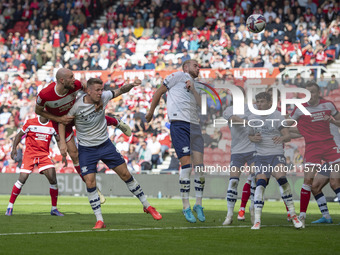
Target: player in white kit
[(242, 152), (269, 137), (182, 104), (95, 145)]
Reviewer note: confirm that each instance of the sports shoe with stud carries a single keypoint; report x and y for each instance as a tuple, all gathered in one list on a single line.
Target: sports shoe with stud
[(252, 214), (101, 196), (228, 220), (297, 223), (9, 212), (256, 226), (189, 216), (156, 215), (240, 215), (323, 220), (199, 210), (289, 218), (55, 212), (303, 220), (124, 127), (99, 224)]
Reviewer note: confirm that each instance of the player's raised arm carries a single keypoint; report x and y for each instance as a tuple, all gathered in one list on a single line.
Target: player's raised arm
[(126, 88), (17, 140), (155, 100)]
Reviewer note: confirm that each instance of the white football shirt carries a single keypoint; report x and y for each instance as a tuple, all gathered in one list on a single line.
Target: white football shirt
[(90, 125)]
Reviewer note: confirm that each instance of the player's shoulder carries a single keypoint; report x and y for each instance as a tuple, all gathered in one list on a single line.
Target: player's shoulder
[(48, 90), (325, 102), (78, 85)]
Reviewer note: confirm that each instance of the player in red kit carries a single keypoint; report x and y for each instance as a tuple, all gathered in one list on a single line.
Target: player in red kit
[(54, 102), (320, 145), (39, 132)]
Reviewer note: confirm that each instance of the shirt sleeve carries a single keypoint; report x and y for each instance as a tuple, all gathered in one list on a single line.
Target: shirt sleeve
[(174, 78), (25, 127), (40, 100), (296, 113), (72, 111), (228, 112)]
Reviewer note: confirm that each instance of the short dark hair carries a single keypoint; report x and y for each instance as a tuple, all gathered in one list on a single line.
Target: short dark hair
[(93, 81), (311, 84), (263, 95)]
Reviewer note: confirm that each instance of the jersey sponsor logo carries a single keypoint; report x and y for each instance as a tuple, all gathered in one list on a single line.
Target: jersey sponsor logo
[(41, 137), (186, 149)]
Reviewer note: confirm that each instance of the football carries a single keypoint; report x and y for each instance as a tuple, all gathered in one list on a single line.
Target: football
[(256, 23)]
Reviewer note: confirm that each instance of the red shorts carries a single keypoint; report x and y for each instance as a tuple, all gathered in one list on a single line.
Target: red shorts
[(42, 163), (68, 130), (323, 150)]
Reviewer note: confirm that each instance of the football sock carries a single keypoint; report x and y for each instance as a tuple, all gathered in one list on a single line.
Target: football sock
[(199, 183), (15, 193), (252, 190), (337, 192), (95, 203), (259, 198), (184, 181), (245, 194), (135, 189), (54, 195), (77, 167), (322, 203), (111, 121), (232, 195), (304, 199), (286, 195)]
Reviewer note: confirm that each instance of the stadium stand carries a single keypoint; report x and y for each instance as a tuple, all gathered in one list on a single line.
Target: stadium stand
[(112, 39)]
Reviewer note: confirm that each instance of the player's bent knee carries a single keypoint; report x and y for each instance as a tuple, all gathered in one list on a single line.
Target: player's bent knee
[(334, 183)]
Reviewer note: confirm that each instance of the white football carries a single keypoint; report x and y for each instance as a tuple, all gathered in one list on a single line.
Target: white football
[(256, 23)]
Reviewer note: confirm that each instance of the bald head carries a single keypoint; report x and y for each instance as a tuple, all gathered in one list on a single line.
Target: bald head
[(62, 73)]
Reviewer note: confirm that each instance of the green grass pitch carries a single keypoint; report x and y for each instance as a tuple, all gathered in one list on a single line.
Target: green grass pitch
[(31, 230)]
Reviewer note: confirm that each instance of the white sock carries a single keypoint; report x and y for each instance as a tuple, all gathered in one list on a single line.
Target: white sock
[(199, 183), (259, 202), (95, 203), (252, 191), (322, 203), (287, 196), (184, 182), (135, 189), (232, 195), (10, 205)]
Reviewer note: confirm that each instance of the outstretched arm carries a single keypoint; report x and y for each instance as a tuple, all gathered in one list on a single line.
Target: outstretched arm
[(126, 88), (156, 97), (40, 110)]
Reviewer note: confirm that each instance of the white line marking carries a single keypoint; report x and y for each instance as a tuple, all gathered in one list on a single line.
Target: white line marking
[(148, 229)]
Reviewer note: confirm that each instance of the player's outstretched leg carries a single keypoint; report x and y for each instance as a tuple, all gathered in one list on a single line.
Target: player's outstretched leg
[(231, 199), (259, 202), (322, 203), (287, 197), (136, 189), (199, 188)]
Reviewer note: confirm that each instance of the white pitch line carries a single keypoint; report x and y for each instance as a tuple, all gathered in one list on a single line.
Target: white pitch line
[(148, 229)]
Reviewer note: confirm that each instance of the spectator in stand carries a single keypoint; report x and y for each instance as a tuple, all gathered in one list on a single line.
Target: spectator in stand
[(322, 85), (333, 84), (299, 81)]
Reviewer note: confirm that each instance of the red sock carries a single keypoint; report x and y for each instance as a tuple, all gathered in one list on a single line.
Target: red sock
[(111, 121), (15, 193), (54, 194), (245, 194), (286, 207), (79, 172), (304, 199)]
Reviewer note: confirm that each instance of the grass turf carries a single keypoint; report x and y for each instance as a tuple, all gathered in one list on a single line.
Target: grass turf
[(31, 230)]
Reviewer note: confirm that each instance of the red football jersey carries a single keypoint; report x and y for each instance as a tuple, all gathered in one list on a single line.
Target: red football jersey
[(38, 137), (313, 127), (55, 104)]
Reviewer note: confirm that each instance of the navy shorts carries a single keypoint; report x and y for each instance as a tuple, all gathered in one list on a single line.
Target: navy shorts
[(240, 159), (265, 164), (325, 170), (90, 156), (186, 137)]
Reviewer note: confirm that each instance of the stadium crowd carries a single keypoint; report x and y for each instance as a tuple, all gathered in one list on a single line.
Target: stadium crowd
[(212, 32)]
